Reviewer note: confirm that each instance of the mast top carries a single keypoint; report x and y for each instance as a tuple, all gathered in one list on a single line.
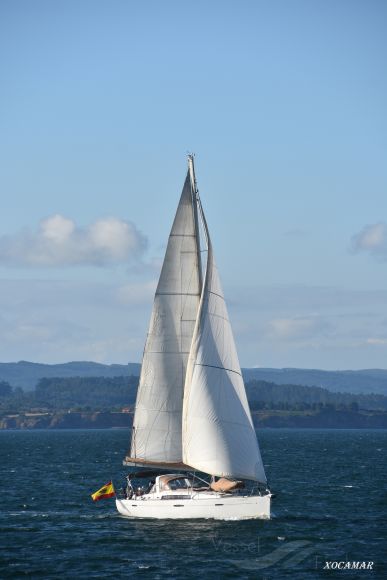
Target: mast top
[(191, 170)]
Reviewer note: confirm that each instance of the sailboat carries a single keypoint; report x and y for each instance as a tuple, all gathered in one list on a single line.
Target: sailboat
[(193, 436)]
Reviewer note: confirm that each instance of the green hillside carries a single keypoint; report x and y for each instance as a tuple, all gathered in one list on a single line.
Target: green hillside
[(27, 375)]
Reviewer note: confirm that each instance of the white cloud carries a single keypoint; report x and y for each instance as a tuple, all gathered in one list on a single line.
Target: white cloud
[(373, 239), (60, 242), (58, 321), (297, 328), (57, 228), (61, 320), (137, 293), (377, 341)]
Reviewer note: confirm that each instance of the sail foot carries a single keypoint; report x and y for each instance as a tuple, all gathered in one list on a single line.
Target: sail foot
[(138, 462)]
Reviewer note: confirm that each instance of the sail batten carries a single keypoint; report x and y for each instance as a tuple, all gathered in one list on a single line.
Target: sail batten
[(217, 367)]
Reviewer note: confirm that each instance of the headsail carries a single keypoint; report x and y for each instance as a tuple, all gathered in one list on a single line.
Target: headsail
[(218, 432), (157, 426)]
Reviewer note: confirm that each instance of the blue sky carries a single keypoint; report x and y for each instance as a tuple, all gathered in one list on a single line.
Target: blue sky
[(284, 104)]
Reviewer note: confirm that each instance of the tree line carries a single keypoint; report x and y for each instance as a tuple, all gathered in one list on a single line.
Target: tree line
[(114, 393), (266, 395)]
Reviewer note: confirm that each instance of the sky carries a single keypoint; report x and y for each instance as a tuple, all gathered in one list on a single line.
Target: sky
[(284, 103)]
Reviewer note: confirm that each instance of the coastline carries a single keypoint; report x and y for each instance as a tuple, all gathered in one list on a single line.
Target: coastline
[(324, 419)]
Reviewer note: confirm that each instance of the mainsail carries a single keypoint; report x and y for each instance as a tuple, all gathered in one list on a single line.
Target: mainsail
[(157, 426)]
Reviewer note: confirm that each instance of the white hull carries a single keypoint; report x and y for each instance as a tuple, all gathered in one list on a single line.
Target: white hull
[(209, 506)]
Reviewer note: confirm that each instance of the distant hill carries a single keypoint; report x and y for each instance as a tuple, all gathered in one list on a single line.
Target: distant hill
[(26, 375), (362, 381), (114, 393)]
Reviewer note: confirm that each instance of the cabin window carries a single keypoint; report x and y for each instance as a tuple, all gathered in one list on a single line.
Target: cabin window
[(180, 483)]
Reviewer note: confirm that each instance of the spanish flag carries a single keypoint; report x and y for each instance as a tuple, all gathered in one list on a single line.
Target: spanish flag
[(106, 491)]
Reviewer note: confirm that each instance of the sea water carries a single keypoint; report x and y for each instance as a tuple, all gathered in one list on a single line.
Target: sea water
[(330, 506)]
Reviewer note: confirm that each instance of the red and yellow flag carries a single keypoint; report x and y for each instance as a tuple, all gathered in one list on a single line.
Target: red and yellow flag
[(106, 491)]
